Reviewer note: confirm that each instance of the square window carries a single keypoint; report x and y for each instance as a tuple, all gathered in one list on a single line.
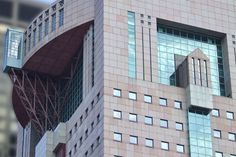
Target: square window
[(231, 136), (148, 120), (217, 133), (218, 154), (149, 142), (215, 112), (148, 99), (117, 92), (164, 145), (117, 137), (132, 95), (163, 102), (230, 115), (180, 148), (133, 139), (133, 117), (178, 104), (163, 123), (117, 114), (179, 126)]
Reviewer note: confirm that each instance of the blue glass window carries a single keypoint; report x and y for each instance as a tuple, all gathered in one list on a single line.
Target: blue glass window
[(131, 45), (173, 41), (61, 17)]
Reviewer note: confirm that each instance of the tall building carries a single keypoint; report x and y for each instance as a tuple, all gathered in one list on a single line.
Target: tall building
[(126, 78), (16, 14)]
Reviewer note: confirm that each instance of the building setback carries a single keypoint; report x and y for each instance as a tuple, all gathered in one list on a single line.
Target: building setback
[(126, 78)]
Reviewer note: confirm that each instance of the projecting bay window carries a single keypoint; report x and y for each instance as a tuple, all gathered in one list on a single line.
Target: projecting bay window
[(131, 45)]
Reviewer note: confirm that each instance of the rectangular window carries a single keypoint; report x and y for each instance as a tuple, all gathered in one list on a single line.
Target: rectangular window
[(81, 119), (178, 104), (46, 26), (217, 133), (215, 112), (163, 123), (92, 126), (231, 136), (76, 126), (61, 17), (54, 22), (163, 101), (86, 133), (40, 32), (148, 99), (218, 154), (131, 45), (230, 115), (117, 92), (75, 148), (149, 142), (70, 154), (232, 155), (164, 145), (132, 95), (180, 148), (117, 114), (133, 139), (117, 137), (29, 42), (98, 118), (133, 117), (179, 126), (148, 120), (70, 133), (86, 112)]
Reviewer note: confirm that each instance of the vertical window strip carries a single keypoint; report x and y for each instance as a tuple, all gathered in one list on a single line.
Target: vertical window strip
[(235, 55), (131, 45), (143, 54), (200, 71), (150, 51), (205, 71), (194, 71), (61, 17), (93, 56)]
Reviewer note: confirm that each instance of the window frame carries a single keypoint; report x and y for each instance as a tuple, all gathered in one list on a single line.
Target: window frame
[(218, 112), (145, 97), (148, 117), (180, 104), (149, 140), (115, 90), (229, 114), (134, 94), (163, 126), (133, 137), (118, 112), (163, 143), (179, 123), (130, 118), (180, 145), (216, 132), (233, 135), (162, 99), (116, 134)]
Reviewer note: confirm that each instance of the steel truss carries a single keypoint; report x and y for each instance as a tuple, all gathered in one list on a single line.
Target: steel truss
[(43, 96)]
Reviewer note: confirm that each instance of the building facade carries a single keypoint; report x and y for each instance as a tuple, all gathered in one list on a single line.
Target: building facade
[(126, 78)]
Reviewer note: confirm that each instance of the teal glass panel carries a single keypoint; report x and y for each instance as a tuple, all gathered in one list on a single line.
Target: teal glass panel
[(200, 142), (131, 45), (173, 41)]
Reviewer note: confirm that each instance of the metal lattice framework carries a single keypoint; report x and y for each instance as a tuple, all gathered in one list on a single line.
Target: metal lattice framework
[(43, 96)]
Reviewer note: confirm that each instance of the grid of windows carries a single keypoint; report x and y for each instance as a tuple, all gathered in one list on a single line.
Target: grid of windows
[(15, 39), (131, 45), (54, 22), (172, 41), (200, 133)]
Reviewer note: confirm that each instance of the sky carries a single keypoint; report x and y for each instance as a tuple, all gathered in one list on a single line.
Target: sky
[(46, 1)]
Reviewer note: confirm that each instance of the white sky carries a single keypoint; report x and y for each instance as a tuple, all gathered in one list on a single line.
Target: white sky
[(46, 1)]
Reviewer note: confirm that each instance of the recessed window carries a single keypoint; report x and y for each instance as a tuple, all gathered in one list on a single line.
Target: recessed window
[(163, 123), (98, 118), (148, 99), (117, 114), (70, 133), (179, 126), (86, 112), (178, 104), (75, 148), (133, 139), (86, 133), (117, 92), (217, 133), (218, 154), (163, 101), (117, 137), (232, 155), (81, 119), (164, 145), (149, 142), (180, 148), (231, 136), (76, 126), (148, 120), (70, 154), (133, 117), (132, 95), (80, 140), (215, 112), (230, 115)]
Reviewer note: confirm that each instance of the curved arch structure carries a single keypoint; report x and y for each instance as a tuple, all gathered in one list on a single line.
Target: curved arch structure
[(51, 50)]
